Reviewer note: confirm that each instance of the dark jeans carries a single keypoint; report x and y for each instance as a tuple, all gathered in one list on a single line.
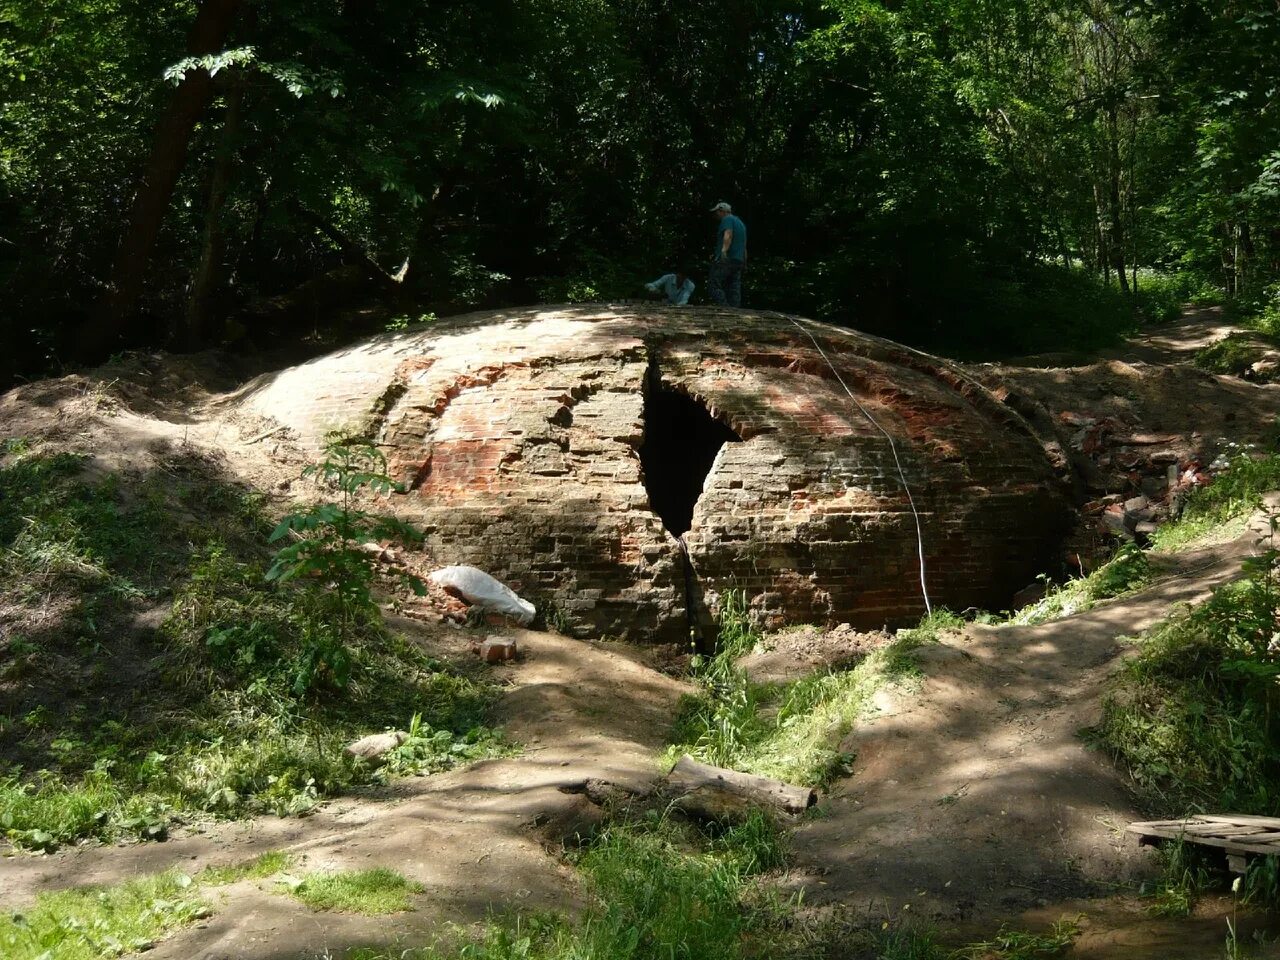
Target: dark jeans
[(725, 283)]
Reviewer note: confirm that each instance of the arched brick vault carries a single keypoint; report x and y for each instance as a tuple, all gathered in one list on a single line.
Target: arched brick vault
[(518, 434)]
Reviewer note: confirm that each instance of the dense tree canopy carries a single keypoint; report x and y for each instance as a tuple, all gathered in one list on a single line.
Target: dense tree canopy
[(949, 172)]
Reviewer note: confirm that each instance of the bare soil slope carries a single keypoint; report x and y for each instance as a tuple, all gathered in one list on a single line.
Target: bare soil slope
[(975, 795), (477, 838)]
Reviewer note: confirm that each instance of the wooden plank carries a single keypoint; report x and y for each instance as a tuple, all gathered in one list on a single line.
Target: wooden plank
[(1222, 830), (1271, 822), (1237, 862), (1227, 844)]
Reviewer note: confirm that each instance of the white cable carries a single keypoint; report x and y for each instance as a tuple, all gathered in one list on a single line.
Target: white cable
[(893, 447)]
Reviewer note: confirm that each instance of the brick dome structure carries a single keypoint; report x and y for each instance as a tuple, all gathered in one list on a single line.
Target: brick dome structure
[(566, 449)]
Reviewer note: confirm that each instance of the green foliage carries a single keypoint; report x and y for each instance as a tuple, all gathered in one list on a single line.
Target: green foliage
[(328, 548), (737, 635), (1184, 875), (1128, 570), (59, 532), (980, 178), (250, 695), (373, 892), (47, 813), (1234, 354), (259, 868), (660, 889), (1193, 716), (909, 942), (94, 923), (1018, 945), (1236, 491), (791, 731)]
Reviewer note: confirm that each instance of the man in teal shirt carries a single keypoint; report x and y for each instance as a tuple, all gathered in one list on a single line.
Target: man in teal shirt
[(727, 257)]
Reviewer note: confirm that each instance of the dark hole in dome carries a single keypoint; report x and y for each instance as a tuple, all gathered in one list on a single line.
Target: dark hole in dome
[(681, 440)]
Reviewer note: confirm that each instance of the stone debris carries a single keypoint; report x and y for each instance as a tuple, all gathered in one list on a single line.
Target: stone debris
[(377, 745), (497, 649)]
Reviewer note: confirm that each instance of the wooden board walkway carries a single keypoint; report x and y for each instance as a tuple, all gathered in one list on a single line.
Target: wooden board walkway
[(1237, 835)]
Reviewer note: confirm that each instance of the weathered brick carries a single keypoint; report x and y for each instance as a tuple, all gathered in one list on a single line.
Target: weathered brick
[(520, 433)]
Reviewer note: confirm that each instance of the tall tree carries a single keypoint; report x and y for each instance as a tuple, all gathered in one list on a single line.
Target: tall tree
[(208, 36)]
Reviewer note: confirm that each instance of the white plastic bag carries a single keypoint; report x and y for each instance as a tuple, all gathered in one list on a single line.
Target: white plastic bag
[(479, 588)]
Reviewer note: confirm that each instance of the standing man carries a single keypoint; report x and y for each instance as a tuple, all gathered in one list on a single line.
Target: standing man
[(728, 257)]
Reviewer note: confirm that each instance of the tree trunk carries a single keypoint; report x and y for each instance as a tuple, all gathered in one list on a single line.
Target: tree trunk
[(1116, 240), (168, 157), (208, 276), (720, 794)]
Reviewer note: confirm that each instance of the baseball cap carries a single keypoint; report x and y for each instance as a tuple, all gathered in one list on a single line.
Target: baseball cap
[(722, 206)]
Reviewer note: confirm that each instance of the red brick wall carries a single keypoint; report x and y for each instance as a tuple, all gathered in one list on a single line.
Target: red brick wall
[(519, 438)]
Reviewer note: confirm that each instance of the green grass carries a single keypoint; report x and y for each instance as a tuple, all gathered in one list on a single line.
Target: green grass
[(659, 889), (97, 922), (1127, 571), (1019, 945), (371, 892), (93, 923), (259, 868), (1220, 509), (1193, 717), (234, 708), (1234, 354), (911, 941), (790, 731)]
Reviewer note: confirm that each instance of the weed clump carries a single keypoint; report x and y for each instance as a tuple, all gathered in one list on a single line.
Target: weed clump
[(790, 731), (660, 888), (1127, 571), (101, 922), (1236, 491), (372, 892)]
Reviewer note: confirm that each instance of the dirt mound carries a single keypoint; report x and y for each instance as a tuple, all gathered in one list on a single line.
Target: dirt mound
[(791, 654)]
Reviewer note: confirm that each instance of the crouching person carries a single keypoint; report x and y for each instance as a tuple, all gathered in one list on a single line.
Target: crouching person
[(676, 287)]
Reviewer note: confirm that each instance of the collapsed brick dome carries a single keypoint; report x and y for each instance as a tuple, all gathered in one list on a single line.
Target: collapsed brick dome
[(565, 449)]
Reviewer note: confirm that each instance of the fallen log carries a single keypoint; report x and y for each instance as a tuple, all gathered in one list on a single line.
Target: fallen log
[(720, 794)]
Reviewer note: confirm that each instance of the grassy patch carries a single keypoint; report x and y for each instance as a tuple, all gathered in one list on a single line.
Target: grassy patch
[(660, 889), (1127, 571), (917, 942), (241, 702), (373, 892), (101, 922), (790, 731), (1194, 719), (1221, 507), (259, 868), (1193, 715), (1234, 354)]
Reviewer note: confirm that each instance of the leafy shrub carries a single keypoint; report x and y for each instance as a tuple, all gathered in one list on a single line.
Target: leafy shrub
[(1234, 354), (328, 549), (1236, 491), (1128, 570), (1193, 717)]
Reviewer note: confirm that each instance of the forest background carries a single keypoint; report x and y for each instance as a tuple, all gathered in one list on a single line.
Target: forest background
[(980, 177)]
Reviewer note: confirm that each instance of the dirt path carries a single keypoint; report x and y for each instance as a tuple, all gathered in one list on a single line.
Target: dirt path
[(975, 796), (473, 837)]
